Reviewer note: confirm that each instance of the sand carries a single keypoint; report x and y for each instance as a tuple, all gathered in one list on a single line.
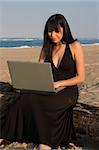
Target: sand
[(91, 53), (31, 54), (89, 94)]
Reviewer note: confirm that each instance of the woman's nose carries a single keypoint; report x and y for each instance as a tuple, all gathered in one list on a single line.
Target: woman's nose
[(52, 33)]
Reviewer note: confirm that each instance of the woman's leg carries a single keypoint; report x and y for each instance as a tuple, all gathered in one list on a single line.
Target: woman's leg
[(1, 140), (44, 147)]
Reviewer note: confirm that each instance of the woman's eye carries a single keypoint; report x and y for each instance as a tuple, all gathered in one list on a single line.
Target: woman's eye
[(56, 30), (50, 30)]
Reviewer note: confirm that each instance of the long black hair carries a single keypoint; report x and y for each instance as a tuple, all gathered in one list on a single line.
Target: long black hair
[(53, 24)]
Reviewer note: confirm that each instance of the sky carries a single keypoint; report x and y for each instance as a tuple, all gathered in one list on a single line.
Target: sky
[(27, 18)]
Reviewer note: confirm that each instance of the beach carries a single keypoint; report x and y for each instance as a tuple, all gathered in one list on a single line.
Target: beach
[(26, 54), (91, 54), (89, 93)]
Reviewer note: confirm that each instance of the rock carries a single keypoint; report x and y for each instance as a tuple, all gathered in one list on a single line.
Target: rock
[(5, 87), (86, 120), (86, 117)]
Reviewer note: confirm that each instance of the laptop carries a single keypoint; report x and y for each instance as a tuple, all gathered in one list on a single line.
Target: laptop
[(35, 77)]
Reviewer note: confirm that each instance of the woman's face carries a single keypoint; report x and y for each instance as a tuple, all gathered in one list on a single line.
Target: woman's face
[(56, 36)]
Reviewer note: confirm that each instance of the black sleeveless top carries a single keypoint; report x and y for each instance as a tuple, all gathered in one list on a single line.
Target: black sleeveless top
[(43, 118), (66, 68)]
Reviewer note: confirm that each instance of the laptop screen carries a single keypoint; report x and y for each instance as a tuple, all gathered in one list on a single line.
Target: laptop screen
[(31, 75)]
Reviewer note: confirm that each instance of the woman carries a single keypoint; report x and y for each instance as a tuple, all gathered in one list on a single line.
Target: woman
[(48, 120)]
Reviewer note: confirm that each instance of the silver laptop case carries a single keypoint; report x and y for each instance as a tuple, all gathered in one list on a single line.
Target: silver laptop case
[(27, 76), (31, 75)]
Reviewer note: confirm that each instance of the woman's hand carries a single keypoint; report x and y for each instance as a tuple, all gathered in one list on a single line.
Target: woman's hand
[(56, 84)]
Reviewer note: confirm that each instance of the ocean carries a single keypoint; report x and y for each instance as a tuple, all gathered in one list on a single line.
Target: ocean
[(32, 42)]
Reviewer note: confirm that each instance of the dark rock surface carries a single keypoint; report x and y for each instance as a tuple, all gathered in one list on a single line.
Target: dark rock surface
[(86, 117)]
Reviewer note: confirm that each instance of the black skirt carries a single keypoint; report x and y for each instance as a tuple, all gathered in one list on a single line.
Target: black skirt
[(37, 118)]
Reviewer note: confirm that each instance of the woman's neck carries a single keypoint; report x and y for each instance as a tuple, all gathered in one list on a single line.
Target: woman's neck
[(58, 46)]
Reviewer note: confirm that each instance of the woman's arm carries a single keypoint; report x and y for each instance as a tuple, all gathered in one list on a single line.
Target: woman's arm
[(41, 57), (80, 66)]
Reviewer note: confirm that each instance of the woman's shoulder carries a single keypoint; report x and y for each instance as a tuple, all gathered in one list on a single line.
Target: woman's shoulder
[(76, 45), (76, 49)]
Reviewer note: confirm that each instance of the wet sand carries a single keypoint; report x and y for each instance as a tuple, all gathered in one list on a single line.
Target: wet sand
[(89, 93), (91, 54)]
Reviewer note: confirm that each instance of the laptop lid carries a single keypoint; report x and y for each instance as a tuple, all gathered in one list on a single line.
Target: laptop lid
[(35, 76)]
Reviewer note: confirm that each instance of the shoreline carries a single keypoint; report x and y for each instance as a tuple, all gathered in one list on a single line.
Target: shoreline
[(21, 47), (90, 86), (88, 97), (32, 54)]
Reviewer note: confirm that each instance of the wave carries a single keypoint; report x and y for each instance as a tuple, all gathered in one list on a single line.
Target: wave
[(32, 42), (19, 47), (19, 39), (95, 44), (89, 41), (20, 42)]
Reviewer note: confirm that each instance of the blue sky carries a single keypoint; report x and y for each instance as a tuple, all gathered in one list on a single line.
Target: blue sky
[(26, 18)]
